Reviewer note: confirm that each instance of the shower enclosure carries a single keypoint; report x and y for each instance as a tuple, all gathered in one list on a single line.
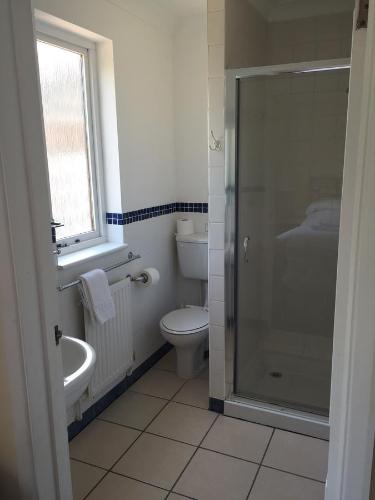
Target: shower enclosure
[(285, 130)]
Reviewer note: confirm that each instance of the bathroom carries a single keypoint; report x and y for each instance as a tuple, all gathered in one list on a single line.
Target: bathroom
[(207, 189)]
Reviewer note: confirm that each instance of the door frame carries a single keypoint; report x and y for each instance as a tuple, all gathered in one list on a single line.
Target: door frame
[(28, 305), (235, 405), (352, 413)]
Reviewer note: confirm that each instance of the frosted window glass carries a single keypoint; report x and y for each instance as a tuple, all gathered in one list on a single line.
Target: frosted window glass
[(64, 110)]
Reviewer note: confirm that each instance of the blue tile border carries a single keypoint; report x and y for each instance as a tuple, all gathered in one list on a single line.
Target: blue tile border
[(125, 218), (91, 413), (216, 405)]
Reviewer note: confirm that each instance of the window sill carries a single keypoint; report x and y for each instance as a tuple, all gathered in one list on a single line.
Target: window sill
[(76, 258)]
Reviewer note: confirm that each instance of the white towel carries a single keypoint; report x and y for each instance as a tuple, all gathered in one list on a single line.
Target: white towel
[(97, 296)]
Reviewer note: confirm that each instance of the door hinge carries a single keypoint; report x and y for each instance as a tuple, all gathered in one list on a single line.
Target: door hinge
[(362, 19), (58, 334)]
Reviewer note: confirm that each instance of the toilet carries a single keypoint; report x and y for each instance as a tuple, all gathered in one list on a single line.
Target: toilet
[(187, 328)]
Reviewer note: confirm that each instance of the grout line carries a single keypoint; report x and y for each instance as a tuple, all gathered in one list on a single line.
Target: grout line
[(231, 456), (88, 463), (294, 474), (141, 432), (139, 480), (97, 484), (193, 455), (260, 465)]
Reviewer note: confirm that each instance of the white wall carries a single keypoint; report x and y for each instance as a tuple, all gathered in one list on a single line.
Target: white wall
[(191, 102), (160, 96), (144, 79), (190, 67)]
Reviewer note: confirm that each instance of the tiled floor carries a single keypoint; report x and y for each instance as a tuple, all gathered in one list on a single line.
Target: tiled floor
[(159, 441)]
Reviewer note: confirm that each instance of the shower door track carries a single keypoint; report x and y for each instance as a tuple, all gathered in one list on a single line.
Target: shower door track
[(235, 405)]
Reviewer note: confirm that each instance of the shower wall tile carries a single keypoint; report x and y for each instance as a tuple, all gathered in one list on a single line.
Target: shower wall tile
[(216, 286), (216, 93), (216, 236), (216, 160), (216, 208), (215, 28), (217, 316), (319, 37), (216, 262), (217, 337), (217, 374), (216, 61), (216, 185)]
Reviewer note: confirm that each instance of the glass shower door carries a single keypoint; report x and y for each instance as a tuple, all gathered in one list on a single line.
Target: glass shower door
[(290, 142)]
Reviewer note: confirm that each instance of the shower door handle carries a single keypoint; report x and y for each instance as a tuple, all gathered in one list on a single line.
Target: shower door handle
[(245, 247)]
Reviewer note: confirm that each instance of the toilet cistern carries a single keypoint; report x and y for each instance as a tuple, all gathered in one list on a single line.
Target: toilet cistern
[(187, 328)]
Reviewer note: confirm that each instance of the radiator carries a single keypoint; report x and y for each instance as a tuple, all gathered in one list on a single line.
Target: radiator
[(113, 342)]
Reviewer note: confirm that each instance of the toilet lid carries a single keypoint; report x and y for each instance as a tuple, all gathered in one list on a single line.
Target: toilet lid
[(186, 319)]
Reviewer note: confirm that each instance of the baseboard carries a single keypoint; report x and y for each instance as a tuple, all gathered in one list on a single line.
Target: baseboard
[(216, 405), (96, 409)]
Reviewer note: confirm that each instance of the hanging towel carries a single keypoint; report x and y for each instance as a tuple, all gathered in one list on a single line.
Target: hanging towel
[(97, 296)]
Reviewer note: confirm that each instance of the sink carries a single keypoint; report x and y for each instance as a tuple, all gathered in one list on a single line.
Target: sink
[(78, 359)]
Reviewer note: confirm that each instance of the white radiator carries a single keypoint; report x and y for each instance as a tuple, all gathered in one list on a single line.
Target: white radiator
[(113, 342)]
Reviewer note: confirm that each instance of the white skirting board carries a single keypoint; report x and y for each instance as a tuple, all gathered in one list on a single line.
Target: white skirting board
[(113, 342)]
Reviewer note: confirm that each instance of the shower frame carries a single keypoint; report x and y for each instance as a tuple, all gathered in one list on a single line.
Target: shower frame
[(234, 405)]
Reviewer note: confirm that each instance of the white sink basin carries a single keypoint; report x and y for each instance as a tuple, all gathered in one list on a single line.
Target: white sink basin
[(78, 359)]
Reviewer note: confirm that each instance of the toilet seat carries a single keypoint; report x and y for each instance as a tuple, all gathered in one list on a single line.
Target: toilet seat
[(185, 321)]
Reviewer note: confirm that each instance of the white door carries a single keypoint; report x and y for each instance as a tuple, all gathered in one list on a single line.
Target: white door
[(29, 305), (352, 413)]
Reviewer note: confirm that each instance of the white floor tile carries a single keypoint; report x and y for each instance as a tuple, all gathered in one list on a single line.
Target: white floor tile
[(84, 478), (114, 487), (159, 383), (183, 423), (102, 443), (211, 476), (238, 438), (133, 409), (194, 393), (155, 460), (298, 454), (273, 484)]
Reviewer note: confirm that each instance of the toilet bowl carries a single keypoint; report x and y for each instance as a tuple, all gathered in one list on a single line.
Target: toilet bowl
[(187, 329)]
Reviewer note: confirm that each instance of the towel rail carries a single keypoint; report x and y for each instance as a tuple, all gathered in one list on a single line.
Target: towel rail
[(131, 258)]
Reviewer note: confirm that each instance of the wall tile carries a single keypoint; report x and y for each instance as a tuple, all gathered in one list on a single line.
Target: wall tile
[(216, 288), (217, 374), (216, 236), (216, 262), (216, 208), (217, 337), (216, 94), (216, 61), (215, 28), (216, 181), (217, 314), (216, 158)]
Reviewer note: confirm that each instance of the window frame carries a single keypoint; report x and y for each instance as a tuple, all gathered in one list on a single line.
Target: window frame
[(85, 47)]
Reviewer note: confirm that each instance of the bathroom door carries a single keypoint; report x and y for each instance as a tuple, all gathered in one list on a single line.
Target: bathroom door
[(290, 145), (29, 304)]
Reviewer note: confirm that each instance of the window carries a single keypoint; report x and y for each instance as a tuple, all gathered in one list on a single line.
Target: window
[(67, 88)]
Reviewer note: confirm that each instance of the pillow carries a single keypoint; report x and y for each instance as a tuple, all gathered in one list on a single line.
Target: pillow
[(324, 204), (323, 219)]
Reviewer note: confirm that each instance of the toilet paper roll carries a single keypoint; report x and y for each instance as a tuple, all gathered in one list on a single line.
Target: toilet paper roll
[(152, 276), (185, 226)]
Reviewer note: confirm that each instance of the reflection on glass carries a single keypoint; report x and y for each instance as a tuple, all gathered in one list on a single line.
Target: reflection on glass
[(64, 112), (290, 162)]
